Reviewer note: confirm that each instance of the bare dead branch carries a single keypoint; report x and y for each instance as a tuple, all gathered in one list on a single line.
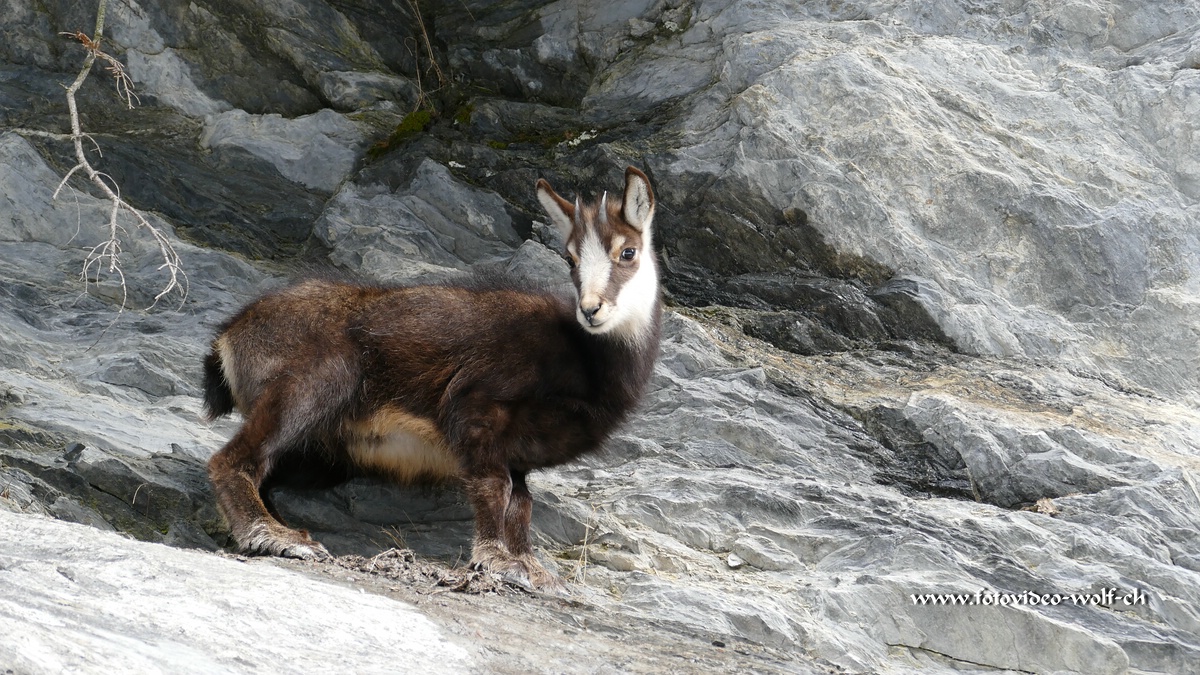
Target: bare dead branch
[(105, 256)]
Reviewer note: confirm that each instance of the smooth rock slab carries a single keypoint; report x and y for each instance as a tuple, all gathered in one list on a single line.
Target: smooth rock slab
[(318, 151), (433, 222), (78, 600)]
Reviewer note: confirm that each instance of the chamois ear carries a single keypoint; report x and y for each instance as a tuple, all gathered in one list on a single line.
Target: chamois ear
[(561, 211), (637, 206)]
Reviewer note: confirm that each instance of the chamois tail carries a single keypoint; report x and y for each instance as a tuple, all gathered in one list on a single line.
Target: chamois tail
[(218, 397)]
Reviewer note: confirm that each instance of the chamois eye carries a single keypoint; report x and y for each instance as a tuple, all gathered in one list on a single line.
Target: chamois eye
[(570, 261), (628, 254)]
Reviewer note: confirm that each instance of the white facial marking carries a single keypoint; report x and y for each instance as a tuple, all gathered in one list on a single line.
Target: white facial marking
[(595, 268), (629, 315), (635, 302)]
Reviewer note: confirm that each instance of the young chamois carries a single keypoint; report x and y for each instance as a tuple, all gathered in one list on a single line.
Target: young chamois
[(482, 381)]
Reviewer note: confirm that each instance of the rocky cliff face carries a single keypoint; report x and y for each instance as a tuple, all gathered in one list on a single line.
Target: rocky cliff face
[(934, 274)]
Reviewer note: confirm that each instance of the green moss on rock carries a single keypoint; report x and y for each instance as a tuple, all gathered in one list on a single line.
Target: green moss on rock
[(413, 123)]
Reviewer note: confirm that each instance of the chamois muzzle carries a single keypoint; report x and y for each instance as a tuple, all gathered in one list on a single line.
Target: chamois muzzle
[(590, 313)]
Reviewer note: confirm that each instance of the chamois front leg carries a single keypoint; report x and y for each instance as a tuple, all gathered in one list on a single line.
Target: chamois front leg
[(499, 497), (491, 495), (489, 492), (516, 536), (503, 507)]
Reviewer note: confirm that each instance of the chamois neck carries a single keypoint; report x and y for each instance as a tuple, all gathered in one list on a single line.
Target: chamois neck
[(624, 363), (640, 334)]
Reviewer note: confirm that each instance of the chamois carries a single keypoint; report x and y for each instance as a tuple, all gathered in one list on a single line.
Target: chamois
[(481, 381)]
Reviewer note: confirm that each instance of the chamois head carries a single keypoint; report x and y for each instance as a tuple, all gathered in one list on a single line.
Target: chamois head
[(611, 256)]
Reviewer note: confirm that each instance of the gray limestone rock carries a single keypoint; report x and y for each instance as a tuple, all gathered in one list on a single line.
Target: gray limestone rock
[(1055, 224), (764, 553), (539, 264), (318, 151), (970, 226), (350, 90), (87, 601), (431, 223)]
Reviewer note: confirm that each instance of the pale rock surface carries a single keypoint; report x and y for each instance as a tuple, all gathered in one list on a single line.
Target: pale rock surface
[(1004, 157), (318, 151), (973, 224), (80, 600), (398, 234)]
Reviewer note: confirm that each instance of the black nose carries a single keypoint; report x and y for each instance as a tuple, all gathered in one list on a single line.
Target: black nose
[(589, 313)]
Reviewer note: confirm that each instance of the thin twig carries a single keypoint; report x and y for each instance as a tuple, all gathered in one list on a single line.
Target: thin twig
[(437, 70), (107, 253), (39, 133), (580, 574)]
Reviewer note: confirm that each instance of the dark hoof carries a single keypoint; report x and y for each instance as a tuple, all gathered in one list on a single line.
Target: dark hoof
[(521, 571), (277, 540), (541, 579), (312, 550)]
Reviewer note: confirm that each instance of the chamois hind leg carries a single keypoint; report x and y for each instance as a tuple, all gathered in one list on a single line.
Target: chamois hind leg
[(237, 472), (279, 421), (516, 536)]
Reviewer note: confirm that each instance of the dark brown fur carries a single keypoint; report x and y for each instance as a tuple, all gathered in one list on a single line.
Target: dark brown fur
[(484, 381)]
